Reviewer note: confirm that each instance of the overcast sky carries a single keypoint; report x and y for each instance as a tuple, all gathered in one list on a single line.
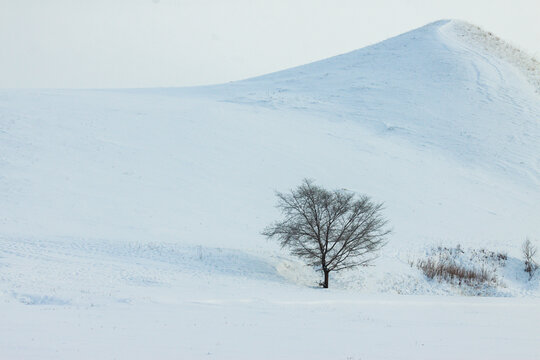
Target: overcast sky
[(145, 43)]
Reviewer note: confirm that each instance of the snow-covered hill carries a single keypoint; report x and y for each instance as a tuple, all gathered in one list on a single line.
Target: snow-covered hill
[(133, 198)]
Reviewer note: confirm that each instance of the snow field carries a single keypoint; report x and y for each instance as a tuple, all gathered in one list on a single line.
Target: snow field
[(131, 218)]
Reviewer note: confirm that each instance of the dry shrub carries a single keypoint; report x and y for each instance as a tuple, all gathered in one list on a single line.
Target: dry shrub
[(455, 265), (529, 252), (450, 271)]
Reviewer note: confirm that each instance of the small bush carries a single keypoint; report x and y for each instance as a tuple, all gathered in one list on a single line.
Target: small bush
[(529, 252)]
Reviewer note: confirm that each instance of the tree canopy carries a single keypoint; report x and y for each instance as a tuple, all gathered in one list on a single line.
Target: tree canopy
[(333, 230)]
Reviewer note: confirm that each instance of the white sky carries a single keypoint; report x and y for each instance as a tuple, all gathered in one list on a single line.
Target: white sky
[(144, 43)]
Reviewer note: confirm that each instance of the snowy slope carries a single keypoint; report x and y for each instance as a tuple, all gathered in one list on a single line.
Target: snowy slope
[(151, 201), (420, 121)]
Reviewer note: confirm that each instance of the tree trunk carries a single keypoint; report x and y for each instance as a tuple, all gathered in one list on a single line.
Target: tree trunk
[(325, 283)]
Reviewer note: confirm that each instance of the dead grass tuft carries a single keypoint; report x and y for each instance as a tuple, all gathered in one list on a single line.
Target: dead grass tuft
[(452, 272)]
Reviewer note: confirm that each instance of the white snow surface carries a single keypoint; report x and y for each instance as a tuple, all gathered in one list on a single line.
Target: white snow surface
[(131, 218)]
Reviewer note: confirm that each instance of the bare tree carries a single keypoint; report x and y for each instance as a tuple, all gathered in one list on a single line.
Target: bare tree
[(529, 252), (333, 230)]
